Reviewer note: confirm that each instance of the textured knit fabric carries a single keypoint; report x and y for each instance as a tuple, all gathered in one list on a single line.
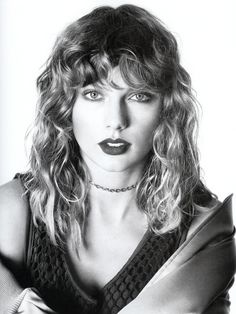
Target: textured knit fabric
[(50, 274), (145, 263)]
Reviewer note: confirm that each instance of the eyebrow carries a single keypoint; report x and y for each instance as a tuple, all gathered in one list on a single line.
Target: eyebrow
[(103, 86), (129, 89)]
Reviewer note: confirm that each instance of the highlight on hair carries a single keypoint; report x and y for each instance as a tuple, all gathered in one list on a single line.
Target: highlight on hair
[(86, 52)]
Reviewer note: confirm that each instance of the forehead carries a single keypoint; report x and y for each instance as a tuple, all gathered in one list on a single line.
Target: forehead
[(115, 78)]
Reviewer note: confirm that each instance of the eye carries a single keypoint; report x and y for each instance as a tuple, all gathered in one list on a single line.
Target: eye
[(92, 95), (141, 97)]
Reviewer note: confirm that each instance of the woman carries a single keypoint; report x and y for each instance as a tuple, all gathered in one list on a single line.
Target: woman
[(114, 217)]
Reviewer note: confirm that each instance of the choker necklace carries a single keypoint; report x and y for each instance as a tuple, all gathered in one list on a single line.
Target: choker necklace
[(128, 188)]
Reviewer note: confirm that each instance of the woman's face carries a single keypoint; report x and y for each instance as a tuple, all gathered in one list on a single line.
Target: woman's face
[(114, 126)]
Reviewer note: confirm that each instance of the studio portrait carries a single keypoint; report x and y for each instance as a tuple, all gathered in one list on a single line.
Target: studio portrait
[(117, 164)]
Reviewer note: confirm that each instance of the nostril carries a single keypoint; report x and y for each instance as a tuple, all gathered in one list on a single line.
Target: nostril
[(117, 122), (117, 125)]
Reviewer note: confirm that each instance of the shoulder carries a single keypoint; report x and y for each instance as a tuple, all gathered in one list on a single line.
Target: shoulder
[(215, 217), (14, 220)]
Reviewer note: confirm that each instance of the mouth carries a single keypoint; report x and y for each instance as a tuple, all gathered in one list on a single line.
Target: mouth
[(114, 147)]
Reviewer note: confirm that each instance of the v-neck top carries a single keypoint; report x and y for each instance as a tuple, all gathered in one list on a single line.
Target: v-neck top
[(51, 273)]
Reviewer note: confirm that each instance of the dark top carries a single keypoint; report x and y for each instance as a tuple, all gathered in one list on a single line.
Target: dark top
[(51, 274), (49, 271)]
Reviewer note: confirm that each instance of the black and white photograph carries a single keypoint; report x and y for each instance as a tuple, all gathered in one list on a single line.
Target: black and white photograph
[(117, 157)]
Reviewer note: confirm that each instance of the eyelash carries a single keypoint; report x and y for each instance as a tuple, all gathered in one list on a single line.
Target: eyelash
[(147, 96), (87, 93)]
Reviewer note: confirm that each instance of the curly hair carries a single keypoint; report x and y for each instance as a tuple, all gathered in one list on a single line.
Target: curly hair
[(86, 52)]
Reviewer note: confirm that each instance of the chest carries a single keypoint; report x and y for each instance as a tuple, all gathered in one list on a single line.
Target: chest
[(104, 254), (59, 277)]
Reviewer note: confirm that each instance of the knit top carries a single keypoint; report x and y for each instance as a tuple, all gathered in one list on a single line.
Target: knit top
[(49, 271)]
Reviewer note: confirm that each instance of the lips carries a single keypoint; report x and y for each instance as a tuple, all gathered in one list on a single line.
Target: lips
[(114, 147)]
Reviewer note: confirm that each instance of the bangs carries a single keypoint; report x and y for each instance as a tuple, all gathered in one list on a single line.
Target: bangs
[(136, 73), (144, 50)]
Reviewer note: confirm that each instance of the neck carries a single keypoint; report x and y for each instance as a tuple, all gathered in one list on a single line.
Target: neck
[(116, 204)]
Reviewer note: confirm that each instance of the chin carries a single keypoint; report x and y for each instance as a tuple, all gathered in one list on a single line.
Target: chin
[(114, 166), (118, 163), (121, 165)]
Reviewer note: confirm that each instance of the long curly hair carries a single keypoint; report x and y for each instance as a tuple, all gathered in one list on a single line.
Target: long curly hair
[(86, 52)]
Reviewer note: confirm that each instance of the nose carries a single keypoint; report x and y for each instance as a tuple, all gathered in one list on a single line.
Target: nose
[(116, 116)]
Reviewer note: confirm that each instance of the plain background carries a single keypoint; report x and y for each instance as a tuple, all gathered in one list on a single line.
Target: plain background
[(205, 31)]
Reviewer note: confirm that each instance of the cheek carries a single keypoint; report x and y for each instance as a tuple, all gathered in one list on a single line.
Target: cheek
[(84, 118), (80, 118), (148, 123), (79, 125), (145, 134), (86, 127)]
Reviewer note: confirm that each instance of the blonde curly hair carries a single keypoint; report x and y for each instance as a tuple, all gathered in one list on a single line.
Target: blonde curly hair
[(86, 52)]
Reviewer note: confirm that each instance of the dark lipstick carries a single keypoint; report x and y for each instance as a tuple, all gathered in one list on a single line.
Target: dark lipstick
[(114, 147)]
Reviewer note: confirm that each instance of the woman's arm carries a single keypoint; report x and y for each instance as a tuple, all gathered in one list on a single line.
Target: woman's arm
[(14, 225), (14, 220)]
